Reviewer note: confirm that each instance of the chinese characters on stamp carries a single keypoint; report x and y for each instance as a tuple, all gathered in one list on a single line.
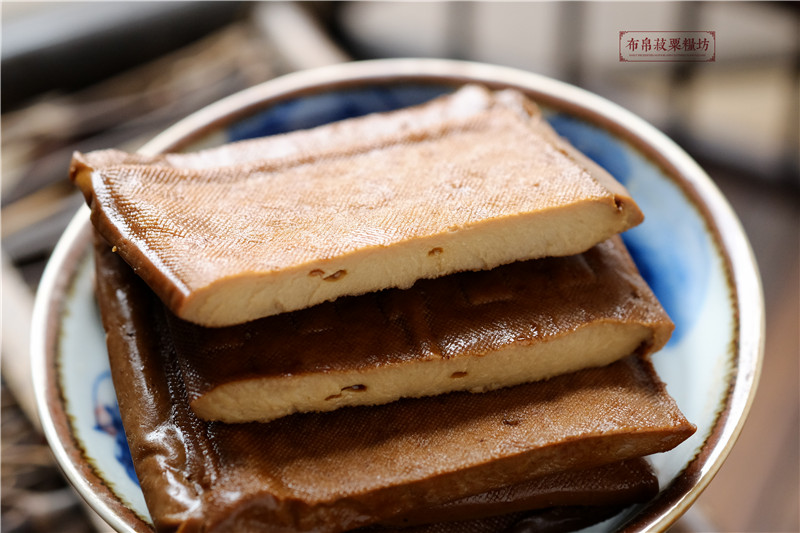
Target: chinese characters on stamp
[(654, 46)]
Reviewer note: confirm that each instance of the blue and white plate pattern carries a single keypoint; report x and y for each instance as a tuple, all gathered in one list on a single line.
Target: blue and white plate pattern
[(691, 250)]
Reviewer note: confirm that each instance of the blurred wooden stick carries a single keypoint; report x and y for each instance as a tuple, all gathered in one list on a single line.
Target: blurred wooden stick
[(299, 40), (16, 331)]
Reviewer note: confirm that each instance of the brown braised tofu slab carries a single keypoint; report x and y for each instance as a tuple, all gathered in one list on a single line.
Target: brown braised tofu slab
[(476, 331), (469, 181), (604, 488), (356, 466)]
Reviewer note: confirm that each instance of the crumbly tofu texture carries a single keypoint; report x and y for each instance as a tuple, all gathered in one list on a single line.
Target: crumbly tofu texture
[(468, 181)]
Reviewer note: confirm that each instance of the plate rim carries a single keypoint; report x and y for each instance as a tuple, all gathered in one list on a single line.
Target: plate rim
[(732, 246)]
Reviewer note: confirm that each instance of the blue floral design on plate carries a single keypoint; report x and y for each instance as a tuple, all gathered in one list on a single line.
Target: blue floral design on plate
[(109, 421), (315, 110), (670, 229)]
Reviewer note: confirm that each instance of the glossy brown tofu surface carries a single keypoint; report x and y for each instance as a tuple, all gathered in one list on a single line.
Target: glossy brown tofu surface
[(360, 465)]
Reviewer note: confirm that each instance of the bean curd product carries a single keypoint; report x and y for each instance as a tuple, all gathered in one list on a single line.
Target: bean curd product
[(468, 331), (602, 488), (468, 181), (417, 321), (360, 465)]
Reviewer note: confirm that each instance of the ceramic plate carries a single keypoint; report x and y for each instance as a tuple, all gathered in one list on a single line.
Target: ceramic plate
[(691, 249)]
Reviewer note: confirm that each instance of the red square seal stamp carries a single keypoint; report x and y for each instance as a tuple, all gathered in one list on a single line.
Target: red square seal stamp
[(667, 46)]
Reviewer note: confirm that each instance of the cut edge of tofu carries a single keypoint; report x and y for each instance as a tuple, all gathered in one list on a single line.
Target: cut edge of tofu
[(491, 243), (592, 345)]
